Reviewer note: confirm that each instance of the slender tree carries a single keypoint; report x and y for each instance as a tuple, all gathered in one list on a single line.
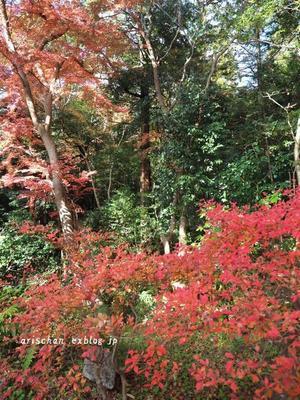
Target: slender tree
[(49, 50)]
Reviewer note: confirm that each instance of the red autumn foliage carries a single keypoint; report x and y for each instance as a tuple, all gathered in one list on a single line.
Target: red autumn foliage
[(233, 327), (50, 52)]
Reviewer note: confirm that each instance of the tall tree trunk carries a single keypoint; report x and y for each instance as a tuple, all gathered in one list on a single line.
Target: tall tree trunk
[(42, 126), (65, 214), (110, 180), (89, 166), (167, 237), (182, 235), (297, 152), (166, 243), (84, 153), (261, 102), (144, 140)]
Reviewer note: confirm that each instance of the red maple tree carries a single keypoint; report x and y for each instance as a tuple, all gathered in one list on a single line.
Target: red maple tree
[(50, 50)]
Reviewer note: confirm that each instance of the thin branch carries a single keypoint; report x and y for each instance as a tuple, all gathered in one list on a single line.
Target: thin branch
[(215, 59), (281, 45), (183, 76), (52, 37), (175, 36), (295, 136), (185, 65), (285, 109), (168, 15), (170, 47)]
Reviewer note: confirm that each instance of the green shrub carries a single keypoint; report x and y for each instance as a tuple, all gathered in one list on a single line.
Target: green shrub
[(22, 252), (130, 222)]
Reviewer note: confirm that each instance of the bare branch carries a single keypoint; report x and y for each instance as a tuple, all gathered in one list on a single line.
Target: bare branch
[(170, 47), (285, 109), (215, 59), (52, 37), (295, 135), (183, 76), (175, 36)]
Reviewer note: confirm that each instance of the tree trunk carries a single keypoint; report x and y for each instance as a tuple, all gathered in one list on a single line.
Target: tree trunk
[(43, 128), (182, 229), (144, 140), (297, 152), (166, 243), (65, 215), (88, 164), (167, 237), (261, 102)]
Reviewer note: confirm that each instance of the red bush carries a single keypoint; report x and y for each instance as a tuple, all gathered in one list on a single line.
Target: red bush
[(232, 325)]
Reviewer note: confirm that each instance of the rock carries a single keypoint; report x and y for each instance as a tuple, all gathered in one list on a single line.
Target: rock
[(107, 371), (90, 370), (101, 371)]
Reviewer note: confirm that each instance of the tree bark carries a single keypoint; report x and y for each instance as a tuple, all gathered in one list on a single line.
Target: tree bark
[(64, 212), (144, 140), (297, 152), (41, 124), (153, 60), (167, 237), (89, 166), (182, 234), (261, 102), (182, 237), (166, 243), (156, 77)]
